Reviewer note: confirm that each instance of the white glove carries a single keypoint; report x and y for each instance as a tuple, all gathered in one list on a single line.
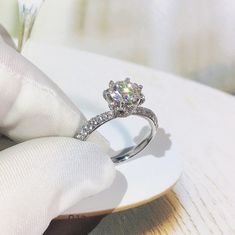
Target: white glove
[(41, 178), (33, 105)]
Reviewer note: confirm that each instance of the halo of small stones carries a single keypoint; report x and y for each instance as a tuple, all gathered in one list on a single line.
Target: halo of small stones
[(99, 120)]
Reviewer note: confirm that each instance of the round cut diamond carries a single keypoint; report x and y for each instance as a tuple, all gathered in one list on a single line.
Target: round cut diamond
[(124, 96)]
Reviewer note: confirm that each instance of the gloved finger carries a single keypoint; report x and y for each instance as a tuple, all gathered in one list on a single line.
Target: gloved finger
[(31, 104), (43, 177)]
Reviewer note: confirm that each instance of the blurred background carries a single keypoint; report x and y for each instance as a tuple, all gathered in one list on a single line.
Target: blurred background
[(191, 38)]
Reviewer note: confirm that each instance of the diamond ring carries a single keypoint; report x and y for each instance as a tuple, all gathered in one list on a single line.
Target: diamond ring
[(124, 99)]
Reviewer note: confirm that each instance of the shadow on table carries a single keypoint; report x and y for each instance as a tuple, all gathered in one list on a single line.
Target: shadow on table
[(5, 143), (154, 217), (157, 146)]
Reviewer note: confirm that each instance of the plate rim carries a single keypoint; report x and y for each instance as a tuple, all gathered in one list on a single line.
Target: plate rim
[(117, 209)]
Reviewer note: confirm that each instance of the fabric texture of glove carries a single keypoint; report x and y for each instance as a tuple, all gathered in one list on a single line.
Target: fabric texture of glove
[(43, 177), (33, 105)]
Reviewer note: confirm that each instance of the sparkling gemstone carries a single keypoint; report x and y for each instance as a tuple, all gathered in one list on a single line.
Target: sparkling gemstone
[(125, 92), (124, 96)]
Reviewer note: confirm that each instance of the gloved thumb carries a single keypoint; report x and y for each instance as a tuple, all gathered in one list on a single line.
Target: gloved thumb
[(43, 177), (31, 104)]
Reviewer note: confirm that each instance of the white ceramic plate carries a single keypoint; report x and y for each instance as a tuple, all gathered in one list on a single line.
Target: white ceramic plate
[(144, 178), (84, 76), (139, 181)]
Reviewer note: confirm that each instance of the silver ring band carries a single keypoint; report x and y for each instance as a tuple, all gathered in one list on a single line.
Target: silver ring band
[(124, 99), (90, 126)]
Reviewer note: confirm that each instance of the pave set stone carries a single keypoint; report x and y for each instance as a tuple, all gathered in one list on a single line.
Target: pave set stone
[(148, 113), (94, 123), (99, 120)]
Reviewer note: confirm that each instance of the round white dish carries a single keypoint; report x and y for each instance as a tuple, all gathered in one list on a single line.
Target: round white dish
[(147, 176), (136, 183), (83, 77)]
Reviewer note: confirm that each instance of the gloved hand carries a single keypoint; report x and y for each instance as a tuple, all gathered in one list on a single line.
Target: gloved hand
[(41, 177)]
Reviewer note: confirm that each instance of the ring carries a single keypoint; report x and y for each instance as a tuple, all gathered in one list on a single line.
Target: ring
[(124, 99)]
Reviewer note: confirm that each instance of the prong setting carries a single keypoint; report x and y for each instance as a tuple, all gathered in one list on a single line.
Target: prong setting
[(123, 97)]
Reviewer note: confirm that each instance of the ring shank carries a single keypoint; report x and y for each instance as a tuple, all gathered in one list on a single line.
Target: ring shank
[(90, 126), (129, 152)]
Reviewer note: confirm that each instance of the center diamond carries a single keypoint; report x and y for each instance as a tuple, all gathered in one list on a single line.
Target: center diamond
[(123, 96)]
